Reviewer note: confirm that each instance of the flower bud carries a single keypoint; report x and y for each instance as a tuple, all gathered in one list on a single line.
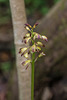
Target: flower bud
[(28, 25), (27, 28), (39, 43), (35, 25), (22, 50), (27, 35), (27, 40), (38, 49), (26, 55), (36, 35), (44, 38), (41, 54), (33, 48)]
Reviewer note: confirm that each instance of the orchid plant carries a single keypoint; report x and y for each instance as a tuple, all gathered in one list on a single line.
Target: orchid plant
[(35, 46)]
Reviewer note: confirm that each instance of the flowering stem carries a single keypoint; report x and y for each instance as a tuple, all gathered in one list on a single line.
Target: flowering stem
[(32, 73), (34, 48)]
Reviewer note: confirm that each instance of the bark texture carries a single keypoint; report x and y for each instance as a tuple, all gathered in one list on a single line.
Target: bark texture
[(24, 76)]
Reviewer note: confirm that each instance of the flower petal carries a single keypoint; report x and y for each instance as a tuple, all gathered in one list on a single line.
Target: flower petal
[(27, 35), (41, 54), (33, 48), (22, 50), (44, 38), (27, 28), (27, 39), (28, 25), (38, 48), (26, 62), (35, 25), (36, 35), (39, 43), (26, 55)]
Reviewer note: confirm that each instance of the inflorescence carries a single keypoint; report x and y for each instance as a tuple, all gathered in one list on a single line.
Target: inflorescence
[(31, 37)]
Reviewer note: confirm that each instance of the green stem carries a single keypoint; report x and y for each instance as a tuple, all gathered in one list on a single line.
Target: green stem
[(32, 72), (32, 77)]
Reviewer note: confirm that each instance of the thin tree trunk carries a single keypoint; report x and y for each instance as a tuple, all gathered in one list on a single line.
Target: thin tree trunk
[(24, 77)]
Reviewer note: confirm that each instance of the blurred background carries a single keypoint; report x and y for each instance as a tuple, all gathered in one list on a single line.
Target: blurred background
[(51, 70)]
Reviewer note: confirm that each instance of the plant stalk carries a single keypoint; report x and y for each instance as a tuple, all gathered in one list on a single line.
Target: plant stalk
[(32, 73)]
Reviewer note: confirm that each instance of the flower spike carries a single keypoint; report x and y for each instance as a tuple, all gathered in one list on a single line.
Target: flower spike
[(35, 47)]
